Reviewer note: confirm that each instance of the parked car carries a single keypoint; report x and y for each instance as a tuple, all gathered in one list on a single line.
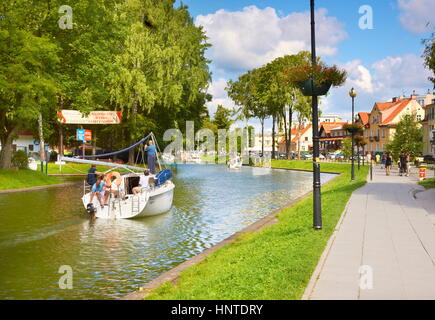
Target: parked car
[(429, 158), (306, 156), (336, 156)]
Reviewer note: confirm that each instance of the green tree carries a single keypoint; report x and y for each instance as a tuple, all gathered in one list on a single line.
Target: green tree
[(246, 93), (162, 70), (304, 113), (429, 55), (222, 118), (408, 137), (143, 57), (280, 95), (346, 147), (27, 85)]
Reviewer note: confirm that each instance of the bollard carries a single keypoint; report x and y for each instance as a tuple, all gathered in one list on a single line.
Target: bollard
[(46, 168), (371, 171), (422, 172), (42, 166)]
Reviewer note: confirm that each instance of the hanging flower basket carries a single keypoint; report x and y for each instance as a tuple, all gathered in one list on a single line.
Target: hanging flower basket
[(308, 89), (315, 80)]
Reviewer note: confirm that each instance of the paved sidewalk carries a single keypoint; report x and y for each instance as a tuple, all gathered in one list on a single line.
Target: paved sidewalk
[(388, 233)]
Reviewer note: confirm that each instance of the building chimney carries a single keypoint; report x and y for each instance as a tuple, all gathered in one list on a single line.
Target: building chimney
[(413, 95), (395, 99)]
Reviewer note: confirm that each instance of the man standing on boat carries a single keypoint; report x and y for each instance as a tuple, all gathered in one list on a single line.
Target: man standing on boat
[(151, 156), (92, 175)]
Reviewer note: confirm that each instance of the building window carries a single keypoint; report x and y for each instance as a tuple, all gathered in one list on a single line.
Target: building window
[(306, 138), (31, 147), (421, 102), (419, 117)]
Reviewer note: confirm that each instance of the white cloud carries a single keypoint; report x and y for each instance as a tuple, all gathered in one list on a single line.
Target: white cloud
[(401, 72), (217, 90), (417, 15), (225, 102), (359, 76), (249, 38), (384, 79)]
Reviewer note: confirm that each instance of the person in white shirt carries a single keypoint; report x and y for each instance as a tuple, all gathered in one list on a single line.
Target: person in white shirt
[(143, 183)]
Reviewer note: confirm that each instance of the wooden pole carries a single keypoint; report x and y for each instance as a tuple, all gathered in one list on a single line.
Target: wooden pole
[(61, 141)]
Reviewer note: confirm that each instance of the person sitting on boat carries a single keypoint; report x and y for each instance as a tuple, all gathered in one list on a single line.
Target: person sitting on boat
[(92, 175), (98, 189), (143, 183), (151, 156), (112, 181)]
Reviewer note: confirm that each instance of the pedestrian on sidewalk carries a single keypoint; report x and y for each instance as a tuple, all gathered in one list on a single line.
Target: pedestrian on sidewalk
[(400, 164), (403, 164), (384, 160), (369, 157), (407, 165), (388, 163)]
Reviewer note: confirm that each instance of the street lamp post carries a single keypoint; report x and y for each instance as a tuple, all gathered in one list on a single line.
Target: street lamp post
[(317, 205), (352, 94)]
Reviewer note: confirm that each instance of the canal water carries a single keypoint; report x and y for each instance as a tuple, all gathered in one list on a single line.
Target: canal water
[(40, 231)]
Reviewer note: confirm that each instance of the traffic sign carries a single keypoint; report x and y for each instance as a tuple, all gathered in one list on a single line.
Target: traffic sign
[(88, 135), (83, 135), (80, 134)]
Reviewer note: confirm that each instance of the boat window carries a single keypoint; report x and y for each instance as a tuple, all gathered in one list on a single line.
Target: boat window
[(130, 183)]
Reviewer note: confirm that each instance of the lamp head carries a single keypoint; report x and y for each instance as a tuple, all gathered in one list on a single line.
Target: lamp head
[(352, 93)]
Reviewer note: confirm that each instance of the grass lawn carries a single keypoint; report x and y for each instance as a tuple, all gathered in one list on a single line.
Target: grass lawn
[(16, 179), (277, 262), (428, 183)]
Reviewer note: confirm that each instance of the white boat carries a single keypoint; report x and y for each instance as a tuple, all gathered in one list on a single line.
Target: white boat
[(151, 201), (154, 199), (168, 158), (235, 163)]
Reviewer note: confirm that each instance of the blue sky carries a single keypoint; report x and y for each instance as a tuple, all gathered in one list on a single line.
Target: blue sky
[(382, 62)]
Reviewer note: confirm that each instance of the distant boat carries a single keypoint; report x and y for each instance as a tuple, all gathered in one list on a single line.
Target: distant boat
[(168, 158), (235, 163), (193, 157)]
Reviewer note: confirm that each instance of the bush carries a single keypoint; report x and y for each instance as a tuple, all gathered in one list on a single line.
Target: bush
[(20, 159)]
